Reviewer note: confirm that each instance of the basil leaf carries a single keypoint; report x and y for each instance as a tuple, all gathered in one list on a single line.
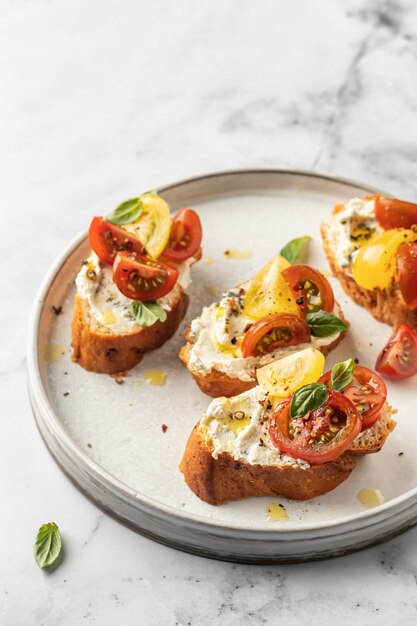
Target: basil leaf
[(295, 249), (342, 374), (126, 213), (150, 192), (147, 313), (47, 545), (324, 324), (308, 398)]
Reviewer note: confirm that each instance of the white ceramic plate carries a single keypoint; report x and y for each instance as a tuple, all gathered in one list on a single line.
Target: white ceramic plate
[(108, 437)]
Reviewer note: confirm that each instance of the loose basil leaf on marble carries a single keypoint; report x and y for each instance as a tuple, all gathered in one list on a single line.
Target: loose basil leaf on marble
[(126, 213), (147, 313), (308, 398), (295, 249), (324, 324), (342, 374), (47, 545)]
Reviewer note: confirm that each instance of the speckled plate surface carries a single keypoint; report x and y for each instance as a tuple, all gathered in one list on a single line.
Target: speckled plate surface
[(108, 437)]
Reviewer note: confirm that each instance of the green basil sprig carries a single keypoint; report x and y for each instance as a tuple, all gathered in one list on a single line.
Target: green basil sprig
[(147, 313), (342, 374), (47, 545), (308, 398), (295, 249), (126, 213), (324, 324)]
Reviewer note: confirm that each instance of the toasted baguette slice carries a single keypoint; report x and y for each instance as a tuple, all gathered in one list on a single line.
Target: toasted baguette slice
[(222, 479), (97, 349), (215, 383), (386, 305)]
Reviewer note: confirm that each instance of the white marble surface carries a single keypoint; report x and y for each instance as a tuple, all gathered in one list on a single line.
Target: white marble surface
[(101, 100)]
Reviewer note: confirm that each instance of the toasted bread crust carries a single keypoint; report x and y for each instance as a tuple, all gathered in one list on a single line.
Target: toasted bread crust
[(221, 480), (215, 383), (99, 350), (372, 440), (386, 305)]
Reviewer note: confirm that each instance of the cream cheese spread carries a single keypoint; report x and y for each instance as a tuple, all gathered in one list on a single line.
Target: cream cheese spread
[(217, 334), (240, 427), (108, 306), (350, 228), (246, 437)]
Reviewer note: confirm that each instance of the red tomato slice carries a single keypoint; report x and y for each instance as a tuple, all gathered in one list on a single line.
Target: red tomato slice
[(107, 239), (143, 278), (367, 391), (310, 288), (407, 273), (185, 237), (392, 213), (273, 332), (398, 358), (321, 435)]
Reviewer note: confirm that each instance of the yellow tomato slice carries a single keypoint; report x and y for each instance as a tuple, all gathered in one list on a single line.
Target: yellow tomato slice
[(269, 293), (374, 266), (283, 377), (153, 224)]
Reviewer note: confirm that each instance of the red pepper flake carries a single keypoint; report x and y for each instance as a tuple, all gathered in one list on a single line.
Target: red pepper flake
[(164, 428)]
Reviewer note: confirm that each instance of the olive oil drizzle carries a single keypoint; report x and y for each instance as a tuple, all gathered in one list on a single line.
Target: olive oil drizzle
[(276, 512)]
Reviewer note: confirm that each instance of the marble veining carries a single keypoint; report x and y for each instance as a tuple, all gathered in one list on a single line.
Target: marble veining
[(103, 100)]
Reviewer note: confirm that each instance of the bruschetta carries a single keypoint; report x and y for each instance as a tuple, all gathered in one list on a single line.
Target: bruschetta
[(299, 445), (131, 289), (371, 245), (283, 309)]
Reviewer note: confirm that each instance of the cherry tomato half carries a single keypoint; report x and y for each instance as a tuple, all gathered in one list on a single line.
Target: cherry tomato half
[(143, 278), (279, 330), (185, 236), (310, 288), (367, 391), (392, 213), (107, 239), (321, 435), (398, 358), (407, 273)]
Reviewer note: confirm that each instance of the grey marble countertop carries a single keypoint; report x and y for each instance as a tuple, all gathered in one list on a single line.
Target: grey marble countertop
[(103, 99)]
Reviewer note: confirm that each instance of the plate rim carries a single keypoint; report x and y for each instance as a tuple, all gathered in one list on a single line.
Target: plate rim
[(367, 517)]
